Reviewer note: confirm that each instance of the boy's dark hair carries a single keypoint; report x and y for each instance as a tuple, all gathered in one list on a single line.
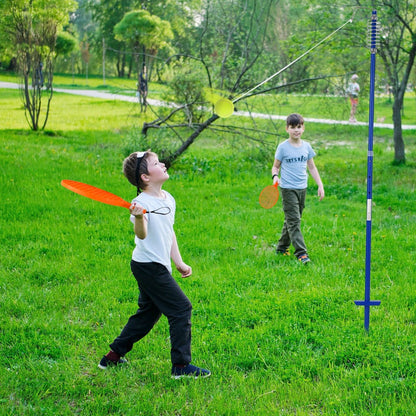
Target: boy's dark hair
[(134, 166), (294, 120)]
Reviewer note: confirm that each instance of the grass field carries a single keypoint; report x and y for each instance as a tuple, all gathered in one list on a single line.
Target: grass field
[(280, 338)]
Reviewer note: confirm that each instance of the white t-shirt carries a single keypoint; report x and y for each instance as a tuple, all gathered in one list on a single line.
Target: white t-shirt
[(156, 247), (353, 89), (293, 168)]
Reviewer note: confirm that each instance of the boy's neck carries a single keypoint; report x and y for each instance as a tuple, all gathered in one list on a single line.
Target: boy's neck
[(155, 191), (295, 142)]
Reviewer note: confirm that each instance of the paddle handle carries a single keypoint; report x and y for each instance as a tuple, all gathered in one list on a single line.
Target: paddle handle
[(128, 205)]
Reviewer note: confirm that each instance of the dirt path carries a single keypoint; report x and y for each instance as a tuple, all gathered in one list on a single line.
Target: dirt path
[(158, 103)]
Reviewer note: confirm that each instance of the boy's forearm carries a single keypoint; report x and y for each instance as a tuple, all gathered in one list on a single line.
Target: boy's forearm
[(140, 227), (275, 170), (317, 178), (315, 174), (175, 253), (313, 170), (176, 257)]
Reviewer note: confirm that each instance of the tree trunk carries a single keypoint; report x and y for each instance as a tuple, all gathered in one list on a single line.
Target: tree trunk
[(399, 153)]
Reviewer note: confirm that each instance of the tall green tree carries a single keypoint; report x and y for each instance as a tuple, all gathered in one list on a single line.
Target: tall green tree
[(106, 14), (139, 29), (335, 60), (398, 53), (182, 16), (31, 28), (65, 43), (230, 38)]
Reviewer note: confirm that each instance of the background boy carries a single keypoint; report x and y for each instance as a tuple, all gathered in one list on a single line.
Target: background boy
[(293, 158)]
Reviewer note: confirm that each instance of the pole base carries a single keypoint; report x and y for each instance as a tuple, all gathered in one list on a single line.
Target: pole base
[(367, 302)]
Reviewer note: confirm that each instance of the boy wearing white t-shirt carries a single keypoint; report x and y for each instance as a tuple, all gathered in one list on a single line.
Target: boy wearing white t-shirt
[(293, 158), (153, 214)]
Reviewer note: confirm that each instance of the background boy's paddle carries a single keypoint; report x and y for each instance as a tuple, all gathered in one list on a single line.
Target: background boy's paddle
[(105, 197), (269, 196)]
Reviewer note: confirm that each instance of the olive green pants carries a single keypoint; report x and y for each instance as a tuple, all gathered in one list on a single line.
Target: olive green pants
[(293, 201)]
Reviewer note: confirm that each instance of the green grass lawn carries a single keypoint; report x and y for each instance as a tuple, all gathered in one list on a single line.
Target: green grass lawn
[(280, 338)]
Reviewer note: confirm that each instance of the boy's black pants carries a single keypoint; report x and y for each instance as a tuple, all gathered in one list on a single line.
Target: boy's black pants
[(159, 294)]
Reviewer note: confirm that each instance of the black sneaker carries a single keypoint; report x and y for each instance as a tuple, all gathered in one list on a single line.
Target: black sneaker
[(304, 258), (189, 371), (283, 253), (106, 362)]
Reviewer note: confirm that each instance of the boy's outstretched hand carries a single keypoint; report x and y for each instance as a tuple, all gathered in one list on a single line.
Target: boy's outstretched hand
[(321, 193), (184, 270), (136, 210)]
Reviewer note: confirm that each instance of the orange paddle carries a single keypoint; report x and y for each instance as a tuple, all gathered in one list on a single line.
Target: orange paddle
[(97, 194), (105, 197), (269, 196)]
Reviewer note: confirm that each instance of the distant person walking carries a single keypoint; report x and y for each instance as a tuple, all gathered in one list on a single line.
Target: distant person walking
[(39, 76), (353, 91), (142, 89)]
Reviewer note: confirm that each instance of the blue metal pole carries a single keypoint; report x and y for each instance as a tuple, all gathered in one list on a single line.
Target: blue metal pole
[(370, 155)]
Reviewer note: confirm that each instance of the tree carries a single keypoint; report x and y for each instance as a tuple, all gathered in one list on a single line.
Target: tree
[(140, 29), (229, 40), (31, 28), (65, 43), (398, 52), (234, 35), (106, 14), (85, 55)]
